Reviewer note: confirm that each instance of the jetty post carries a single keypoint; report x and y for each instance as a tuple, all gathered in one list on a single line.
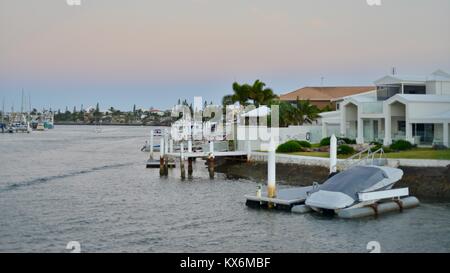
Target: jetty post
[(333, 154), (211, 165), (190, 170), (271, 171), (151, 145), (161, 157), (183, 172)]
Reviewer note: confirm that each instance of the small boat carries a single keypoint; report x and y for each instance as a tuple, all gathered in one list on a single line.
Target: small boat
[(40, 127), (356, 187)]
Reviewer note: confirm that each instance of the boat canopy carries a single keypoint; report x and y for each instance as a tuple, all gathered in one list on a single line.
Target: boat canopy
[(354, 180)]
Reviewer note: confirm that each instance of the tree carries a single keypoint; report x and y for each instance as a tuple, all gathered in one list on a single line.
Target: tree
[(306, 112), (246, 94)]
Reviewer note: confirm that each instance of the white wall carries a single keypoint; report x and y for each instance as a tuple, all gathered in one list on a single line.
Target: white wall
[(285, 134), (420, 110)]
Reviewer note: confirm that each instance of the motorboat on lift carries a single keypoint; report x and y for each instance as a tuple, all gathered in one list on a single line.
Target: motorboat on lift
[(356, 187)]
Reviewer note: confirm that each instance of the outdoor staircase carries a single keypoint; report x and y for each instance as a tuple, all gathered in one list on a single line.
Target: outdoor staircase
[(365, 157)]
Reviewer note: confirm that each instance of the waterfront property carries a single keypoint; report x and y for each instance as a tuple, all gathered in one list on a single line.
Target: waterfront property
[(416, 109)]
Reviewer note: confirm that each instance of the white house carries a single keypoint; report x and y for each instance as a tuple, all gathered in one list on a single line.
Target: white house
[(416, 109)]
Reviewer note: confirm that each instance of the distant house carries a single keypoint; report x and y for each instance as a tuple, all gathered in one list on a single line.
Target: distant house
[(156, 112), (326, 96)]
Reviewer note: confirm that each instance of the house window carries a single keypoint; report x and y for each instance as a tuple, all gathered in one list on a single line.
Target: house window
[(401, 126), (414, 89)]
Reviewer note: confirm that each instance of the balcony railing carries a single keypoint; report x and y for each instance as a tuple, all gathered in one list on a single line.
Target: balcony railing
[(372, 107)]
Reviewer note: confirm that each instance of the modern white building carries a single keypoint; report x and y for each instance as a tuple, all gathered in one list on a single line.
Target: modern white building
[(416, 109)]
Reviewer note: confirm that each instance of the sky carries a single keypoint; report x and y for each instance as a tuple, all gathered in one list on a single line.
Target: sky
[(152, 52)]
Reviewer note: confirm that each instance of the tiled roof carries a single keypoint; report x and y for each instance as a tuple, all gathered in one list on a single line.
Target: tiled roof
[(325, 93)]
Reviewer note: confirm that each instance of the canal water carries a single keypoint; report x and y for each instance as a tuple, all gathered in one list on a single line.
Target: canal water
[(75, 183)]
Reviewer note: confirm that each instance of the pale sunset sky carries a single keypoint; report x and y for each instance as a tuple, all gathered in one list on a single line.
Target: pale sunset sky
[(152, 52)]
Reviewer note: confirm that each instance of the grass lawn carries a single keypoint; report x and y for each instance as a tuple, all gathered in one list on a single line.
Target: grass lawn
[(416, 153), (421, 153)]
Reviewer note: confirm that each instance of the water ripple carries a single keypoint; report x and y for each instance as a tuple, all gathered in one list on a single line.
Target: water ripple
[(41, 180)]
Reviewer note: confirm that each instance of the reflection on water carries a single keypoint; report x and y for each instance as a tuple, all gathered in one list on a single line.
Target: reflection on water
[(75, 184)]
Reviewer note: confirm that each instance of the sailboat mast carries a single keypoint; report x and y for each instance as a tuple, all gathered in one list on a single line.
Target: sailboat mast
[(21, 106), (3, 110)]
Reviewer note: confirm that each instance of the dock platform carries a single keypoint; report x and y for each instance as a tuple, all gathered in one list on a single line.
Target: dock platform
[(285, 200), (153, 163), (206, 154)]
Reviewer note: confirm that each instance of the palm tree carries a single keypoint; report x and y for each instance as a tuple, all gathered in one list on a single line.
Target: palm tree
[(246, 94), (286, 113), (306, 112)]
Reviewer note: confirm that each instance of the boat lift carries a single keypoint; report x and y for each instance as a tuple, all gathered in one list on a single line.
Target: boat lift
[(293, 199)]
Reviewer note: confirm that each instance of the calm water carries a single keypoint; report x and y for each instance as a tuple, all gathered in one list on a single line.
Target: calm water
[(73, 184)]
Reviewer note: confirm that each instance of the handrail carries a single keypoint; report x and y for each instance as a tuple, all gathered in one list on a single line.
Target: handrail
[(368, 159)]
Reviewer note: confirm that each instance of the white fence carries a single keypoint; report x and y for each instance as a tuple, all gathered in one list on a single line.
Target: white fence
[(258, 136)]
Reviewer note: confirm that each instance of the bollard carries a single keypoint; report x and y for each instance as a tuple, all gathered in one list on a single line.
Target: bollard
[(190, 171), (211, 165)]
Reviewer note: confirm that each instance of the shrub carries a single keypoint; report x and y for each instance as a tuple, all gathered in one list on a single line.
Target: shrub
[(325, 142), (375, 146), (304, 144), (343, 140), (348, 140), (401, 145), (345, 150), (290, 146)]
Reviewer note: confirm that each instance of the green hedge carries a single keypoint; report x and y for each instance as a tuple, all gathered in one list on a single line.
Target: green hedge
[(345, 150), (401, 145), (290, 146), (304, 143), (326, 141)]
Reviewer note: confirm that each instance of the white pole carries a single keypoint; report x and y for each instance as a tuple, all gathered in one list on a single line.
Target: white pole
[(189, 146), (166, 143), (182, 150), (271, 170), (151, 144), (249, 147), (211, 147), (333, 154), (171, 145), (161, 147)]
